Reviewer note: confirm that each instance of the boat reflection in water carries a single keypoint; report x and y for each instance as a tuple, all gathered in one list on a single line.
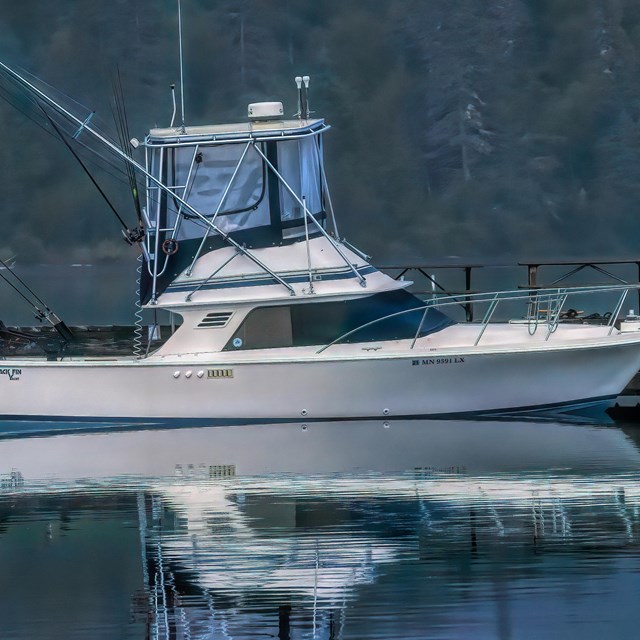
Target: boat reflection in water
[(336, 530)]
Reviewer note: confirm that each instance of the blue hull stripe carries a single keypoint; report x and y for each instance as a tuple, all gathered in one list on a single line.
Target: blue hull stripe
[(23, 426)]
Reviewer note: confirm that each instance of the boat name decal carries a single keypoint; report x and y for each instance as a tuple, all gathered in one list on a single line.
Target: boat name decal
[(455, 360), (13, 374), (220, 373)]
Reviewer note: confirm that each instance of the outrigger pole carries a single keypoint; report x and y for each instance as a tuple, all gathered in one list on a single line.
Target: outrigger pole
[(85, 125)]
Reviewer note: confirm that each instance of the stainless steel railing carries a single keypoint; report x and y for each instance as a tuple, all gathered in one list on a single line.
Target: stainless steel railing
[(544, 307)]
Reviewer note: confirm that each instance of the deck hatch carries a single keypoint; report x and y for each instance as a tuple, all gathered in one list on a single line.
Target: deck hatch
[(216, 319)]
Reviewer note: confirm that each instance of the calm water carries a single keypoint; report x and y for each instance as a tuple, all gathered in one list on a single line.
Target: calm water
[(399, 529)]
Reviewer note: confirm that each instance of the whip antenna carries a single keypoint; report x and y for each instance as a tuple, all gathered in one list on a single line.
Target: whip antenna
[(181, 65)]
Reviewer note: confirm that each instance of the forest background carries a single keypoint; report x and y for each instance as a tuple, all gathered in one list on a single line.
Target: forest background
[(484, 129)]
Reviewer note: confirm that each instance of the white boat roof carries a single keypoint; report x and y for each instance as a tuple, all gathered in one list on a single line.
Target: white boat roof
[(263, 128)]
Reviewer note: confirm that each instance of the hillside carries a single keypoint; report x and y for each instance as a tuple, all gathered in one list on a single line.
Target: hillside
[(478, 129)]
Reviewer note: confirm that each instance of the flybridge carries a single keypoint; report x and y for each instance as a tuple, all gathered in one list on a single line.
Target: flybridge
[(261, 183)]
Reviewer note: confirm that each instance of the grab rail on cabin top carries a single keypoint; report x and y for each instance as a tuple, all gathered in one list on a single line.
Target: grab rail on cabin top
[(544, 306)]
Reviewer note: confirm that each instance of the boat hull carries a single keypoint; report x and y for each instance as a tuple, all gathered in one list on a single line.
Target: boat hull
[(225, 391)]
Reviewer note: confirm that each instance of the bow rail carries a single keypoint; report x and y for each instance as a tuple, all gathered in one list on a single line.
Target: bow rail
[(544, 307)]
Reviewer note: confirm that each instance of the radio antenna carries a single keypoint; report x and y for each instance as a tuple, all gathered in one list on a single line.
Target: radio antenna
[(181, 65)]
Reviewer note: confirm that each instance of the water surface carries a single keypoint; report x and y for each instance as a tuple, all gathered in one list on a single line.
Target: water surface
[(370, 529)]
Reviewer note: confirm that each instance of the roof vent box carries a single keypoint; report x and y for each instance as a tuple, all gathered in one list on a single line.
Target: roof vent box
[(266, 111)]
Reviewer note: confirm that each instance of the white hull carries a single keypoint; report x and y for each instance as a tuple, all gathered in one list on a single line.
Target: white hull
[(230, 387)]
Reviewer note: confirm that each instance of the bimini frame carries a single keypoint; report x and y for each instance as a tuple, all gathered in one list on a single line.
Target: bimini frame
[(197, 142)]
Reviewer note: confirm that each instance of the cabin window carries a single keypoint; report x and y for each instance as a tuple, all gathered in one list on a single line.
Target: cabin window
[(320, 323), (263, 328)]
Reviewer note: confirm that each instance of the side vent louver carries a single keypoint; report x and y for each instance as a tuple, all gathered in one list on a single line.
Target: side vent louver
[(216, 319)]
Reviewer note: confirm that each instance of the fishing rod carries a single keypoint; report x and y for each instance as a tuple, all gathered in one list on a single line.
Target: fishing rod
[(125, 227), (122, 127), (40, 314), (85, 125), (29, 113), (128, 233), (131, 236)]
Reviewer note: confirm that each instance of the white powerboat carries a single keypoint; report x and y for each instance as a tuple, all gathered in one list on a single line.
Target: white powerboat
[(282, 320)]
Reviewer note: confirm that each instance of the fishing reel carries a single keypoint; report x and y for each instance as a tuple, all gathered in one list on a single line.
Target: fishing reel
[(133, 236)]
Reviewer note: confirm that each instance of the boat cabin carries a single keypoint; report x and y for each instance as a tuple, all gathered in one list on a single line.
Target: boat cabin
[(260, 187)]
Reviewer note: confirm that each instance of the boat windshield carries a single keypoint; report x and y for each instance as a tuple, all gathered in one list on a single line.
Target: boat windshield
[(206, 173)]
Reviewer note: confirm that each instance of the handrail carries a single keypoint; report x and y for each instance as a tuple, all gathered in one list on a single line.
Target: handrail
[(617, 309), (553, 316), (210, 139), (493, 305), (225, 193), (294, 195), (495, 298)]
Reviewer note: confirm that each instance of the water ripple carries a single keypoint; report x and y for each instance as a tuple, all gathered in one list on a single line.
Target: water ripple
[(408, 529)]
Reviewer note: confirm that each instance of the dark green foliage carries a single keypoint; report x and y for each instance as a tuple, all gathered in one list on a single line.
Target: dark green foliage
[(475, 128)]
